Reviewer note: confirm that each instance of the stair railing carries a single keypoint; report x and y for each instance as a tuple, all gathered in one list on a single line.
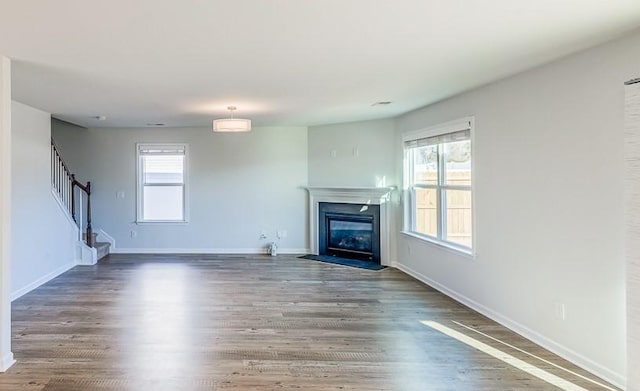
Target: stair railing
[(65, 183)]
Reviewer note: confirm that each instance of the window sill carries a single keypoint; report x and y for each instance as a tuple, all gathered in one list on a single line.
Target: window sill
[(467, 253), (162, 222)]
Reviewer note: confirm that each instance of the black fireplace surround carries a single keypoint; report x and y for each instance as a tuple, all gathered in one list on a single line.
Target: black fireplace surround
[(349, 231)]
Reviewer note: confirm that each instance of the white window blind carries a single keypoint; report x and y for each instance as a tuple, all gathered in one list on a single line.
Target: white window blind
[(147, 149), (439, 139)]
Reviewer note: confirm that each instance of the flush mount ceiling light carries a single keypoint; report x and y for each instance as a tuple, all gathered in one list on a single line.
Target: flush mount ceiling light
[(231, 124)]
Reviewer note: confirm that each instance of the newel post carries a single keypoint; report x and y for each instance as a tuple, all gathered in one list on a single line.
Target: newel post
[(89, 227)]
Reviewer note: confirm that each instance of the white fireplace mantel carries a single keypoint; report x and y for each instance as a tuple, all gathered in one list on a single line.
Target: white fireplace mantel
[(353, 195)]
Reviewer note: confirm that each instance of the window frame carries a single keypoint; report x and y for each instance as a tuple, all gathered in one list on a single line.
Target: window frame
[(140, 183), (441, 187)]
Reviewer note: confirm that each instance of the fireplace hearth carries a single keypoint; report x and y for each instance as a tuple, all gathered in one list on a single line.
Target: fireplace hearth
[(349, 231)]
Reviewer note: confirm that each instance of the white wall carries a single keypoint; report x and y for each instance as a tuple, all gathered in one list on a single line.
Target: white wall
[(6, 356), (548, 204), (372, 164), (632, 212), (43, 236), (240, 185)]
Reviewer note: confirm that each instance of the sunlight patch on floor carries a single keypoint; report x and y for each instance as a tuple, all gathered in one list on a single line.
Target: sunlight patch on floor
[(505, 357), (536, 357)]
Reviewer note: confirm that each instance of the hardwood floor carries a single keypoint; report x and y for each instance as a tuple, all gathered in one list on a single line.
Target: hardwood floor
[(213, 322)]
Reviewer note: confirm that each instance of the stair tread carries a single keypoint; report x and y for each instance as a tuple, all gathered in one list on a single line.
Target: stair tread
[(101, 244)]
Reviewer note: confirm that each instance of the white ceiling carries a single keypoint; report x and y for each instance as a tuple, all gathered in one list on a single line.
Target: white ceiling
[(281, 62)]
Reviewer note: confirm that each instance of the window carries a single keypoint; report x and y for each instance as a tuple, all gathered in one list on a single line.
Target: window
[(162, 190), (438, 183)]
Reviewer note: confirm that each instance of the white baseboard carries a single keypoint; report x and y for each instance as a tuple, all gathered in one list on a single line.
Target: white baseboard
[(206, 251), (46, 278), (6, 361), (605, 373)]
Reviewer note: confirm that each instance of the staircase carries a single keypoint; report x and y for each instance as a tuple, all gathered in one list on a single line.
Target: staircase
[(102, 248), (70, 192)]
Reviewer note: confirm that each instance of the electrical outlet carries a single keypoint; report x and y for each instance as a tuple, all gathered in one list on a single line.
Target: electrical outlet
[(120, 194), (356, 151), (281, 234), (134, 234), (263, 236), (334, 153), (560, 311)]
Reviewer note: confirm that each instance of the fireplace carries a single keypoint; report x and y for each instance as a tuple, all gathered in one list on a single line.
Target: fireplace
[(349, 230), (363, 201)]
